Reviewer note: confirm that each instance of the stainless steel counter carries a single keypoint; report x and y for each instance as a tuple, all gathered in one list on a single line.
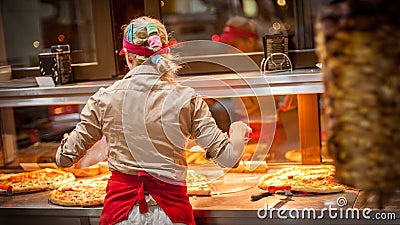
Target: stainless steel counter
[(232, 208), (212, 85), (302, 82), (216, 209), (77, 93), (207, 208)]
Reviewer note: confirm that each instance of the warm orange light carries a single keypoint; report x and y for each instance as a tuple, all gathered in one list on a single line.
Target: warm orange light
[(276, 26), (61, 37), (68, 109), (215, 37), (36, 44), (281, 3), (172, 42), (57, 111)]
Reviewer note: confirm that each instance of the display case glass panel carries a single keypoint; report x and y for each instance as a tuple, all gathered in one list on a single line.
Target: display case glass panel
[(32, 27)]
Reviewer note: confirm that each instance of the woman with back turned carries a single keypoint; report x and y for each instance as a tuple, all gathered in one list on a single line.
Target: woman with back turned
[(147, 119)]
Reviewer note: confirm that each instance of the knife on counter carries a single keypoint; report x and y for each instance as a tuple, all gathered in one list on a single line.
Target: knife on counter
[(271, 191), (8, 189)]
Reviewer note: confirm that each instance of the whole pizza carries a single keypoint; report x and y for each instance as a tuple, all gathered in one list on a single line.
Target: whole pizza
[(309, 179), (33, 181), (83, 193), (92, 191)]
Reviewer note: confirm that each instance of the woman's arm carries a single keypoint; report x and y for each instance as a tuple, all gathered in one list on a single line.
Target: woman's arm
[(225, 151), (86, 133), (232, 154)]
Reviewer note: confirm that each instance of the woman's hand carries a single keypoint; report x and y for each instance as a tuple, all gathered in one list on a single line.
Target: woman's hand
[(97, 153), (240, 130), (232, 155)]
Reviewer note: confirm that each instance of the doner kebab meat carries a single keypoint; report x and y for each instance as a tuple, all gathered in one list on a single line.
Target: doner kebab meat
[(359, 48)]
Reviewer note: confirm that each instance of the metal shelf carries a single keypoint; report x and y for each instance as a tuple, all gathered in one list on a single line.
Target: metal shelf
[(208, 85)]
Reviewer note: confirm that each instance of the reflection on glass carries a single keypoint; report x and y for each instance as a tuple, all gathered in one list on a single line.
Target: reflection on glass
[(205, 19), (31, 27), (279, 126)]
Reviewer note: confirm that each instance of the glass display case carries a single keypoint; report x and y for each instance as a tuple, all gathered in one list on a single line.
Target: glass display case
[(31, 28), (33, 118), (231, 200), (303, 87)]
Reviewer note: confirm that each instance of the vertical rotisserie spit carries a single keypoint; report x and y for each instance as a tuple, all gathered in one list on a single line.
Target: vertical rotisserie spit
[(358, 42)]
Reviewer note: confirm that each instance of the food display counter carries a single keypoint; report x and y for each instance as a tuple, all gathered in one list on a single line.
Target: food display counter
[(234, 208), (224, 208), (305, 83), (220, 208)]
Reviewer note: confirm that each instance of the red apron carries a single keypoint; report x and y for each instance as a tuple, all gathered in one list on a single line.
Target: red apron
[(124, 190)]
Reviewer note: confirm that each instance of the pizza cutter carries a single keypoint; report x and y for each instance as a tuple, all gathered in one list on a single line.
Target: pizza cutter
[(8, 189), (271, 191)]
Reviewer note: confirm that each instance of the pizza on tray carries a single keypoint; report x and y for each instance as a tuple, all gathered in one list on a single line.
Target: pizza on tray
[(38, 180), (92, 191), (83, 193), (309, 179)]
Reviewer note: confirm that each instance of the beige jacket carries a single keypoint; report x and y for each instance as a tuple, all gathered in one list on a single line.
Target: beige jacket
[(147, 123)]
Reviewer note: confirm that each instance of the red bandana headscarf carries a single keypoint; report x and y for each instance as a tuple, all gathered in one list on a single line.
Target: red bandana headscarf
[(231, 32), (141, 49)]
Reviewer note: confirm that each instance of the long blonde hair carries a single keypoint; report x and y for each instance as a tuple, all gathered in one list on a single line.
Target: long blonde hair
[(165, 64)]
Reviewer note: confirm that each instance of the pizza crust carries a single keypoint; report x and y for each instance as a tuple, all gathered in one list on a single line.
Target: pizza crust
[(31, 189), (322, 190)]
